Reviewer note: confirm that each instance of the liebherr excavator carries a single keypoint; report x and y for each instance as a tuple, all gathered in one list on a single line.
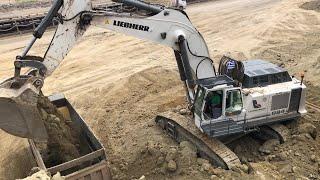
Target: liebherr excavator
[(241, 97)]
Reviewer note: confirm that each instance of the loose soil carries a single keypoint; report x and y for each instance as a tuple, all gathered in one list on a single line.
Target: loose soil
[(312, 5), (63, 144)]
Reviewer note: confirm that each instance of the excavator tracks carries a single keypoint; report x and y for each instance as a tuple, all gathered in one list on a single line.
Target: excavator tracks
[(181, 128), (282, 131), (273, 131)]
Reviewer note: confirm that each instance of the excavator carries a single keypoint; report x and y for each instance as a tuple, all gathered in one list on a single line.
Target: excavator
[(239, 98)]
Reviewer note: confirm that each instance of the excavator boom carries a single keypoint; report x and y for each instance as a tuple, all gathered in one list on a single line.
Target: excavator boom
[(166, 26)]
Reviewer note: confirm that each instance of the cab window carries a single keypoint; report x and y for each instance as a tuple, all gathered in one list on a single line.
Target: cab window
[(234, 103), (199, 101), (213, 105)]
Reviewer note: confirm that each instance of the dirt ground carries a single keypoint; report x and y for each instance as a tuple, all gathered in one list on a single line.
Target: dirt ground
[(18, 8), (119, 83)]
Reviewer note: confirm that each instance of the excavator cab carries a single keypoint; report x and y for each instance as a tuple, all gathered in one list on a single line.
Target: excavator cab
[(217, 98), (218, 106)]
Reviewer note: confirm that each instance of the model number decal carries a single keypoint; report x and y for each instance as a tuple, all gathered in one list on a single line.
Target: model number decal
[(280, 111)]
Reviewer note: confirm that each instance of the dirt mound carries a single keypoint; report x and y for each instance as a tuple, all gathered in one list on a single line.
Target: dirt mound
[(24, 5), (62, 145), (312, 5), (124, 121), (161, 2), (137, 147)]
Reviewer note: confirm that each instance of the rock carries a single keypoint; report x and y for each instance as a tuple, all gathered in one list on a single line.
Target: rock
[(183, 111), (308, 136), (123, 166), (269, 146), (294, 169), (308, 128), (271, 157), (172, 166), (160, 160), (153, 151), (142, 178), (163, 151), (206, 166), (57, 177), (217, 171), (297, 154), (52, 116), (294, 141), (56, 120), (282, 156), (313, 158), (244, 168), (240, 168), (172, 154), (200, 161), (313, 176), (285, 168), (213, 177), (264, 170), (40, 175)]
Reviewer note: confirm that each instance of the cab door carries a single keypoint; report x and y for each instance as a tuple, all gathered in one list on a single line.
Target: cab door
[(213, 104), (233, 104), (198, 106)]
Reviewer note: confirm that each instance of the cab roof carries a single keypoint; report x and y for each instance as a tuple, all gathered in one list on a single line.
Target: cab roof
[(258, 67), (215, 81)]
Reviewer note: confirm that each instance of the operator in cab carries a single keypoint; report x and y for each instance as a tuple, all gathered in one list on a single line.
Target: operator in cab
[(214, 105)]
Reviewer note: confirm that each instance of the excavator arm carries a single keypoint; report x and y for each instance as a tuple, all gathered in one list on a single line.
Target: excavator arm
[(169, 27), (165, 26)]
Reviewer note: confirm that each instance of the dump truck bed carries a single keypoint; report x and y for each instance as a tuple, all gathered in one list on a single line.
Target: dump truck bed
[(90, 166)]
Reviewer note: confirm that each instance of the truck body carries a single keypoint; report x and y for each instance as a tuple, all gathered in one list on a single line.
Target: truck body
[(90, 166)]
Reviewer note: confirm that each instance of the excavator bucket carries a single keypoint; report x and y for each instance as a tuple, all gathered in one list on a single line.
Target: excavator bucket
[(19, 114)]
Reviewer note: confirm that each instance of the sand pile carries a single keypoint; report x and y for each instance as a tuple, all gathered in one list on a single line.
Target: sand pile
[(137, 147), (312, 5), (161, 2), (24, 5), (62, 145)]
